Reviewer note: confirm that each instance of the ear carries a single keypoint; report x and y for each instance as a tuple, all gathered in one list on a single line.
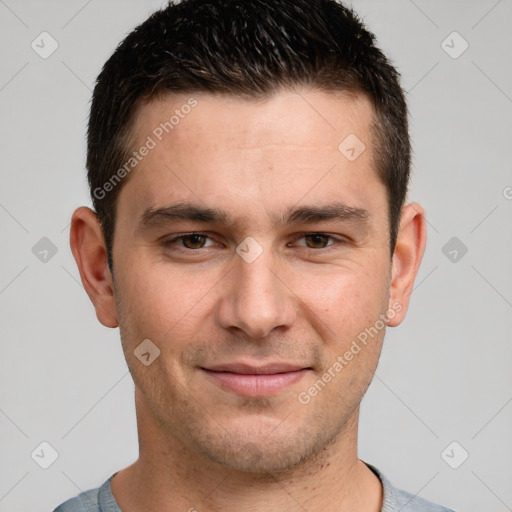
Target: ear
[(90, 253), (409, 249)]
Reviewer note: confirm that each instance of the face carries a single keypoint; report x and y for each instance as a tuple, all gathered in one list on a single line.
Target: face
[(253, 253)]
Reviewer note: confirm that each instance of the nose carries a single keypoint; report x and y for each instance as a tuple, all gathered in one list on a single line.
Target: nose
[(257, 298)]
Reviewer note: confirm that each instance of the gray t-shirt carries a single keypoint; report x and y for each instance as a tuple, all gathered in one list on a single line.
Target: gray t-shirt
[(395, 500)]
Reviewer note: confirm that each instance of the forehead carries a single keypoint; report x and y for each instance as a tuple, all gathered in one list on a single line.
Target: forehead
[(216, 149), (298, 117)]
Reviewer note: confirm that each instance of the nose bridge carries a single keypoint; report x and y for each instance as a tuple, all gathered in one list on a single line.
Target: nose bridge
[(257, 300)]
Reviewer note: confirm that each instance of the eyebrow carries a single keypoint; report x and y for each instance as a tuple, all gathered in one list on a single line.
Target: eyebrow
[(337, 211), (183, 211)]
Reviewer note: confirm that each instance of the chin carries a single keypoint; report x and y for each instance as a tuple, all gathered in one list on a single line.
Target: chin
[(264, 456)]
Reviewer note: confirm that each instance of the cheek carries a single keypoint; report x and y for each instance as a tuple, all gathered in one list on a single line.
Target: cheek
[(344, 311), (159, 302), (342, 303)]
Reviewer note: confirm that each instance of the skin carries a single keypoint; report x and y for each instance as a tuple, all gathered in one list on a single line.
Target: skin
[(302, 301)]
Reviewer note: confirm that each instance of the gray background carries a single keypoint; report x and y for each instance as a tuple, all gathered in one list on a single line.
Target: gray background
[(445, 373)]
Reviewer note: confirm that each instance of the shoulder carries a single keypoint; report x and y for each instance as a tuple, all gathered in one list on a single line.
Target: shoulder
[(397, 500), (408, 502), (93, 500), (87, 501)]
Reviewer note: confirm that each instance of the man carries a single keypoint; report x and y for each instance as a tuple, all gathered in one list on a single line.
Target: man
[(248, 163)]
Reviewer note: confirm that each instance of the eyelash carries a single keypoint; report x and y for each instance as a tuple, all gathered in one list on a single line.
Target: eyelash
[(336, 241)]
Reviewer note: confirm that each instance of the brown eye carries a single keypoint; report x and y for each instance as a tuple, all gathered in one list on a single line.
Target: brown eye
[(193, 241), (317, 240)]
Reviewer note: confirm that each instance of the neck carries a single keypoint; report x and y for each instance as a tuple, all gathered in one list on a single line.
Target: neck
[(169, 476)]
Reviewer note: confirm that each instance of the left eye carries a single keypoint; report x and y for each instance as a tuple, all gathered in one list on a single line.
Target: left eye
[(191, 241), (316, 240)]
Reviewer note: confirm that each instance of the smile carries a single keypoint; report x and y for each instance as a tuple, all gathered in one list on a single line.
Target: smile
[(255, 382)]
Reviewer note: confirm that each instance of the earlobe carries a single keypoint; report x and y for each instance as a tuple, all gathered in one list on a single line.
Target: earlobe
[(409, 249), (90, 253)]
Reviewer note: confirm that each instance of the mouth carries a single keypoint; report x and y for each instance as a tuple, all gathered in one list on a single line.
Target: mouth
[(256, 381)]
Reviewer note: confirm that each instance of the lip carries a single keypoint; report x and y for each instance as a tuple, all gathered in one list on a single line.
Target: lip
[(255, 381), (248, 369)]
